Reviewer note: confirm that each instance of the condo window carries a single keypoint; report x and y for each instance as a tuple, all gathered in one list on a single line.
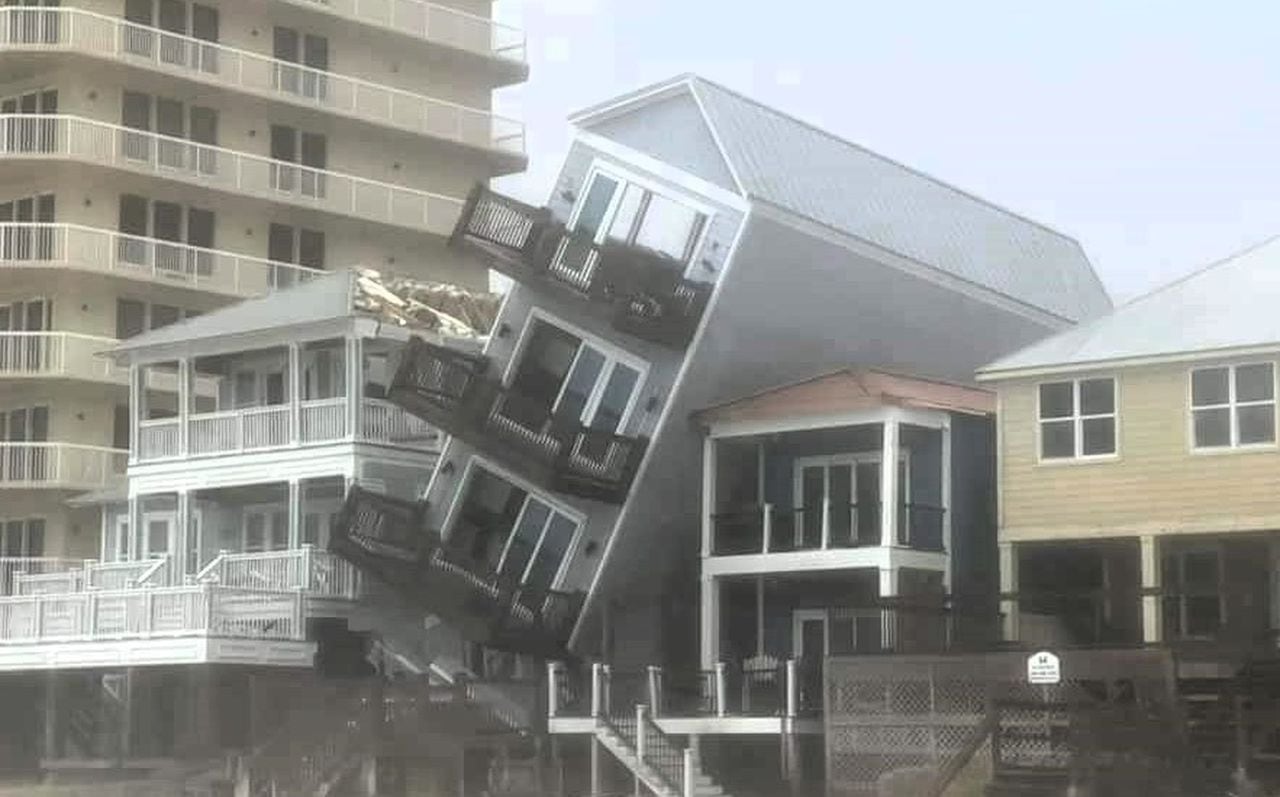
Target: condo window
[(1233, 405), (22, 537), (1078, 418)]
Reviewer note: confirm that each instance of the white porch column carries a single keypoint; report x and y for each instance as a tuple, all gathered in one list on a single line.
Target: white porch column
[(295, 393), (178, 559), (945, 431), (295, 514), (708, 494), (888, 616), (354, 388), (889, 483), (710, 622), (1009, 607), (760, 616), (184, 405), (133, 547), (135, 411), (1149, 555)]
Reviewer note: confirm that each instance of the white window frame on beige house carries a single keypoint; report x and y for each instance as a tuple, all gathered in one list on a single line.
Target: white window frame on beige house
[(1077, 420), (1232, 406)]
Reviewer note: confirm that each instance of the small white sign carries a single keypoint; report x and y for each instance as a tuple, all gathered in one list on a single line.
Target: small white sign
[(1044, 668)]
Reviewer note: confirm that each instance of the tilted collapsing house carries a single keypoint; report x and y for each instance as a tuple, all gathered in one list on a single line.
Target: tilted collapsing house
[(697, 247)]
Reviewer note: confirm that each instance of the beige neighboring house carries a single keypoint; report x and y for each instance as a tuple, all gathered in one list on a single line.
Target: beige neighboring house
[(1138, 468)]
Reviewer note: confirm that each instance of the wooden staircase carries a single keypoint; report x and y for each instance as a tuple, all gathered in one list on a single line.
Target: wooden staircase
[(664, 767)]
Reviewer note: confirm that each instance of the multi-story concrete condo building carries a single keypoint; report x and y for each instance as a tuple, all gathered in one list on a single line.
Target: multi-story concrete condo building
[(608, 469), (159, 158)]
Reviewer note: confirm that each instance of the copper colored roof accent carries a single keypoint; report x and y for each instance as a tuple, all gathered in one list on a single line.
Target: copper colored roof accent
[(851, 390)]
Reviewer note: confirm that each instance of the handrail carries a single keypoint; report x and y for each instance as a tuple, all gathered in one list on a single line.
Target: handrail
[(218, 64), (513, 51), (99, 143)]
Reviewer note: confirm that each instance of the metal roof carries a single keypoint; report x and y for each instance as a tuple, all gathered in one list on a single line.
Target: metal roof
[(400, 301), (785, 162), (1227, 305)]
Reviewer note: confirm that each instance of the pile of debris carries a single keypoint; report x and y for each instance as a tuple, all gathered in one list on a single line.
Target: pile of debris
[(441, 307)]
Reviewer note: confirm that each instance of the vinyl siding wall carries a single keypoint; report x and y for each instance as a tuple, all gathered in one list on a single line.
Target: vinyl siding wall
[(1155, 485)]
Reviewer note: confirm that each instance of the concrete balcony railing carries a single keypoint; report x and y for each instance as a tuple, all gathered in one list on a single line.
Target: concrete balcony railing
[(58, 355), (58, 137), (59, 465), (273, 427), (71, 246), (435, 23), (77, 30)]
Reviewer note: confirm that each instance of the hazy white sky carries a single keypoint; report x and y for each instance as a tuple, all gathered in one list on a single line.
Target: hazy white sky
[(1150, 131)]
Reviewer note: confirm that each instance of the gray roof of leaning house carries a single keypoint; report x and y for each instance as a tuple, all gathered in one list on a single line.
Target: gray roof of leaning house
[(333, 296), (1229, 304), (782, 161)]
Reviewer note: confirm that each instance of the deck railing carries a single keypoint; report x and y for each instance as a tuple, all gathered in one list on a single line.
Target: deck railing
[(768, 528), (217, 64), (35, 245), (270, 427), (200, 610), (60, 465), (646, 292), (53, 136), (58, 354), (317, 573), (15, 569), (451, 27)]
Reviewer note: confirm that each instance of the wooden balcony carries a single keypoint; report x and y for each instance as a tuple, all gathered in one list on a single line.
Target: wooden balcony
[(639, 292), (387, 539), (452, 390)]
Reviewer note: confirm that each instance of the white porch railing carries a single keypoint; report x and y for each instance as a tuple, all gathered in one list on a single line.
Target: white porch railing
[(66, 465), (317, 573), (262, 428), (58, 354), (31, 245), (213, 63), (98, 143), (384, 422), (448, 26), (198, 610), (14, 567), (123, 575)]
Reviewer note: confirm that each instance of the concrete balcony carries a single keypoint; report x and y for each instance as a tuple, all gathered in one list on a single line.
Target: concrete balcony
[(77, 139), (71, 246), (60, 466), (58, 355), (470, 34), (210, 63), (271, 427)]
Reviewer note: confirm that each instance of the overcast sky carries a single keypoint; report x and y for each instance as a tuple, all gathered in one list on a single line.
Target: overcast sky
[(1148, 131)]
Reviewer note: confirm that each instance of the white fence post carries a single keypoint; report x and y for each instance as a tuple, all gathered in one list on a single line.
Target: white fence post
[(597, 689), (690, 772), (553, 688), (299, 603), (306, 575), (767, 541), (641, 710), (654, 673), (722, 689), (793, 689)]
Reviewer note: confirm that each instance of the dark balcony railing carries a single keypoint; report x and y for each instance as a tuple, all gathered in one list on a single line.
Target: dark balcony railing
[(450, 389), (743, 531), (644, 292), (387, 538)]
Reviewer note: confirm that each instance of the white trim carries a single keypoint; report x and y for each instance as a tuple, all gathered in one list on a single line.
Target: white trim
[(864, 248), (668, 405), (874, 557), (801, 616), (664, 171), (1077, 419), (613, 354), (1232, 407), (532, 492), (1222, 355), (929, 419), (630, 101)]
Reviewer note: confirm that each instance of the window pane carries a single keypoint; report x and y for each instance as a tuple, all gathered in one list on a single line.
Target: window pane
[(595, 204), (1212, 427), (1057, 439), (1257, 423), (158, 536), (1056, 400), (35, 537), (1255, 383), (1098, 436), (582, 380), (1097, 396), (1201, 570), (555, 543), (1209, 386), (1203, 615), (668, 227), (525, 539), (616, 397), (624, 218)]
